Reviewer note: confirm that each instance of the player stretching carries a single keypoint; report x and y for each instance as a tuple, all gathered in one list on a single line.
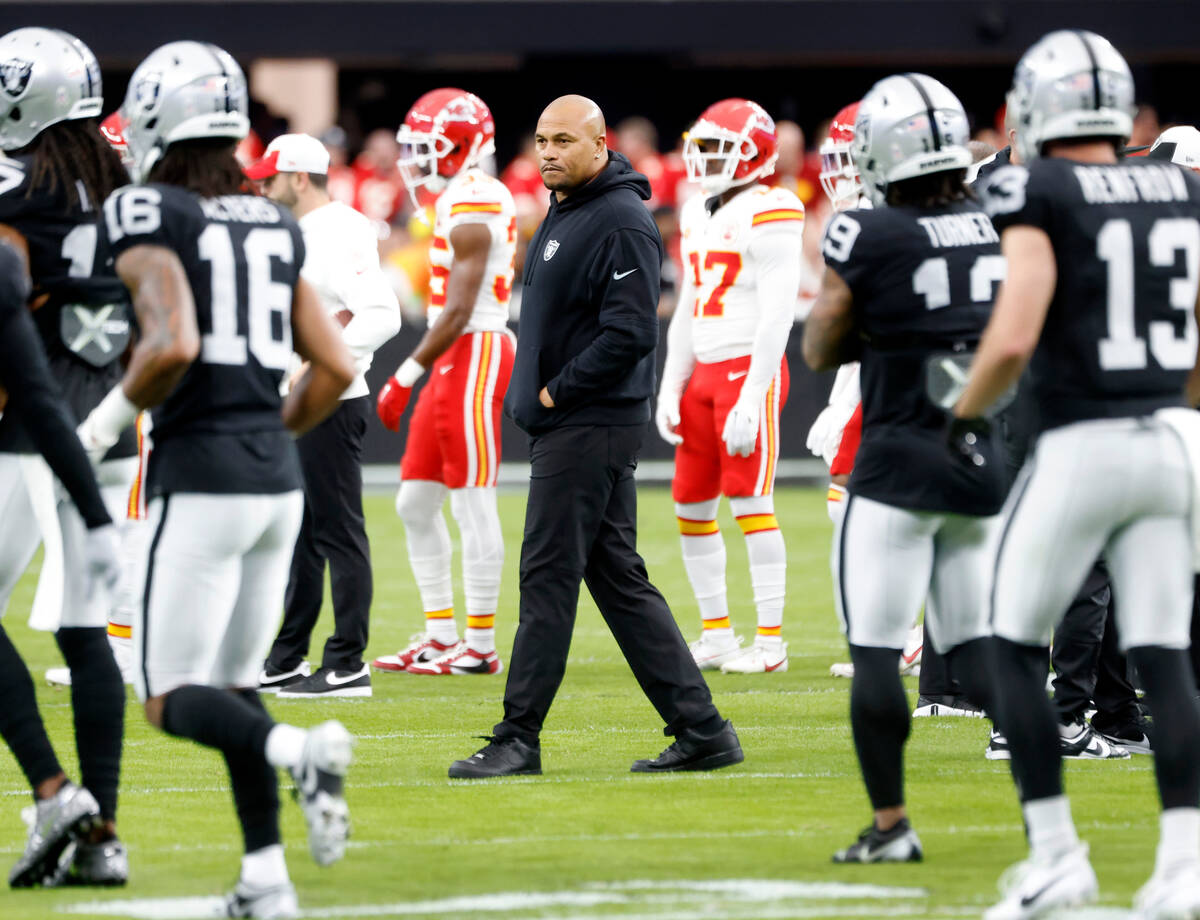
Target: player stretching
[(454, 434), (726, 379), (1100, 302), (215, 280)]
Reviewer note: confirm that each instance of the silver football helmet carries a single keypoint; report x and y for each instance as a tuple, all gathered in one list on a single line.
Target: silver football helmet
[(183, 91), (46, 76), (908, 125), (1071, 83)]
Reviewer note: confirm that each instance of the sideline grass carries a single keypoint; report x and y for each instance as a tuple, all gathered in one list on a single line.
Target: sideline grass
[(583, 833)]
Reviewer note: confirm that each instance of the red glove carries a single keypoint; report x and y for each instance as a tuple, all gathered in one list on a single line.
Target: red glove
[(393, 399)]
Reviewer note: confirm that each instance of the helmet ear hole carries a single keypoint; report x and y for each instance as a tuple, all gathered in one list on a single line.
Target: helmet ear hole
[(151, 124), (14, 114)]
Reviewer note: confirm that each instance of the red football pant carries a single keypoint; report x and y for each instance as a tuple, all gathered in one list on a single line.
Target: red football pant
[(454, 433), (703, 467)]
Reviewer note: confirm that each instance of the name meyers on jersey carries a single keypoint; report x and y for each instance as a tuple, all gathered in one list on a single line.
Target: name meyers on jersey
[(1122, 184), (971, 229), (240, 208)]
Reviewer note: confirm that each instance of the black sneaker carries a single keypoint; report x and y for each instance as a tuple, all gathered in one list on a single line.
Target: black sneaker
[(501, 757), (272, 680), (997, 748), (898, 844), (932, 706), (326, 682), (1079, 741), (694, 751), (1135, 735)]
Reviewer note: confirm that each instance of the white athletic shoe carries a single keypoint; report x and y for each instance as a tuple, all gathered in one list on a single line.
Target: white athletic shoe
[(267, 902), (58, 677), (842, 669), (320, 784), (1170, 895), (1079, 741), (710, 654), (1033, 889), (758, 659)]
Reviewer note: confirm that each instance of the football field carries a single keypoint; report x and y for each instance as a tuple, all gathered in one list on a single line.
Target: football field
[(589, 839)]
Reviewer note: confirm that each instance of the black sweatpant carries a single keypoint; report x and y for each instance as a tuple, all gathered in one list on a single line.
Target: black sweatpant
[(581, 525), (1088, 664), (333, 530)]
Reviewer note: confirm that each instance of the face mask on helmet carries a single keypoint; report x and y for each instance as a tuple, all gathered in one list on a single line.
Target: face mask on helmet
[(420, 161), (713, 155), (839, 177)]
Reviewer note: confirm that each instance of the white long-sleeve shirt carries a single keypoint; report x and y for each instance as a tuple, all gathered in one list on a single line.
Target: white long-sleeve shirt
[(342, 264)]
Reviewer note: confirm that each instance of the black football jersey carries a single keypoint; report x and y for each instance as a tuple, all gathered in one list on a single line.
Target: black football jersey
[(923, 283), (82, 309), (220, 429), (1120, 334)]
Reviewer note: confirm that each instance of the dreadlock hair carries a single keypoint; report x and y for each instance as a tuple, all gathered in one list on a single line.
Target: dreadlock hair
[(74, 153), (932, 191), (205, 166)]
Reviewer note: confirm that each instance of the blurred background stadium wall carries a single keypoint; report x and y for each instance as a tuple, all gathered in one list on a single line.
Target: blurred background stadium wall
[(348, 71)]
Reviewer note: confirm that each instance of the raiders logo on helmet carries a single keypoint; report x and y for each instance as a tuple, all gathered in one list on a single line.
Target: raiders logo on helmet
[(14, 76), (147, 91)]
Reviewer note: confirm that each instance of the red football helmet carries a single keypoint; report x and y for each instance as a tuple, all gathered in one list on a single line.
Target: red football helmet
[(839, 175), (737, 137), (446, 131), (113, 129)]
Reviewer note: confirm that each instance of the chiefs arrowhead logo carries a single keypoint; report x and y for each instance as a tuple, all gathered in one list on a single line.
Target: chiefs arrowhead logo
[(550, 250), (14, 76)]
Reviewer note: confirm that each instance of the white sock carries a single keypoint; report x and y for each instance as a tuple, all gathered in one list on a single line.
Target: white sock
[(768, 563), (419, 504), (1051, 830), (478, 522), (265, 867), (1179, 840), (704, 561), (285, 745), (835, 504)]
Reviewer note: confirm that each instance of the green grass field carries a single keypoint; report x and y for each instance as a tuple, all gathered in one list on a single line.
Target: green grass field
[(589, 839)]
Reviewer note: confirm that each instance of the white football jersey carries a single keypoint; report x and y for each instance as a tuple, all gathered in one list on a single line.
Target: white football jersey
[(474, 197), (722, 271)]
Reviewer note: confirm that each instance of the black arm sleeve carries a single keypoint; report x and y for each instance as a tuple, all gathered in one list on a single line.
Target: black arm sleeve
[(34, 397), (626, 273)]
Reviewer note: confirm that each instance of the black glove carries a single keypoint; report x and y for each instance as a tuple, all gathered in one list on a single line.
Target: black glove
[(965, 436)]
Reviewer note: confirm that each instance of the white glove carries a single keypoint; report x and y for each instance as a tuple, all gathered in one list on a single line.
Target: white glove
[(101, 556), (667, 418), (741, 428), (104, 424), (825, 436)]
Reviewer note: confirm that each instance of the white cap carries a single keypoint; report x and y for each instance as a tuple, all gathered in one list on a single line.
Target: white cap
[(291, 153), (1180, 144)]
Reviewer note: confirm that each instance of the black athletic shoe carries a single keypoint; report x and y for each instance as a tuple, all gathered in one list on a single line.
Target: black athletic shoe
[(1136, 735), (501, 757), (272, 680), (694, 751), (326, 682), (899, 844), (934, 706)]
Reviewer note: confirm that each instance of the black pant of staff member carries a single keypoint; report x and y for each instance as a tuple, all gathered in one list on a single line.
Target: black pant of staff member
[(581, 387)]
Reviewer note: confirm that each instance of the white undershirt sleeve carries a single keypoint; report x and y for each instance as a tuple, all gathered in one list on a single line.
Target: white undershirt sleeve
[(778, 258)]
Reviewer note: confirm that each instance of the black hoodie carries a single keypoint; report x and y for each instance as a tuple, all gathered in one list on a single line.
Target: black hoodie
[(589, 321)]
